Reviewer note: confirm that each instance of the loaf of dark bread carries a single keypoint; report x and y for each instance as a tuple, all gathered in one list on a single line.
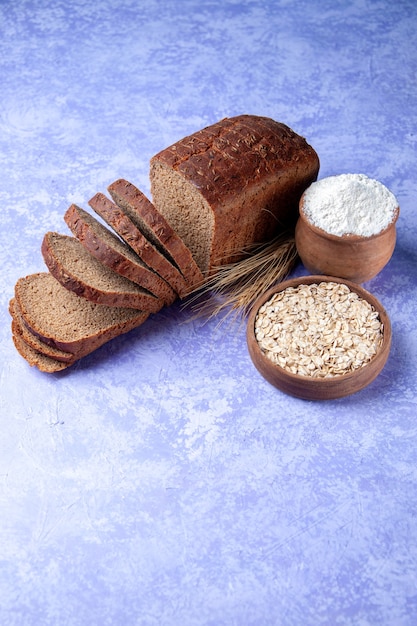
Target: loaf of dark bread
[(231, 185), (115, 254)]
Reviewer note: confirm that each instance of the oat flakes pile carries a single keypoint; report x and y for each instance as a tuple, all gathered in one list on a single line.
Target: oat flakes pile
[(318, 330)]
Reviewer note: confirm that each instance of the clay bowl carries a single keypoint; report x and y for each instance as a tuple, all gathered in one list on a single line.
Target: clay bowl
[(351, 257), (307, 387)]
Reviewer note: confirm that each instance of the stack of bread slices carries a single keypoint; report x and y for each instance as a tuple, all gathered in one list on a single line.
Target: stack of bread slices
[(103, 281), (215, 193)]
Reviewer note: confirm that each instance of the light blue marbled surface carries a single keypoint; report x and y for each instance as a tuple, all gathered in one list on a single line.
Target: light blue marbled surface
[(162, 481)]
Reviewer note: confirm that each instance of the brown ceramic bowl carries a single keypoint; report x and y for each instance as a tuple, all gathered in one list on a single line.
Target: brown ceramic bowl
[(352, 257), (307, 387)]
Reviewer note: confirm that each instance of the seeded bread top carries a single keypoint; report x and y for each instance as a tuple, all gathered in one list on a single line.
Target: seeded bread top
[(227, 156)]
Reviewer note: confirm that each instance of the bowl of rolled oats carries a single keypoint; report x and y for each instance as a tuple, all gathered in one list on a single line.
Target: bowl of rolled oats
[(318, 337)]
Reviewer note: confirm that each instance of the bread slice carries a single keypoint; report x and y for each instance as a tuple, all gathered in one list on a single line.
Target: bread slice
[(232, 185), (156, 228), (67, 322), (151, 256), (34, 358), (105, 246), (34, 342), (78, 271)]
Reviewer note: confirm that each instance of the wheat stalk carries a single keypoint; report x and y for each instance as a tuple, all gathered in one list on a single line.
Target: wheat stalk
[(234, 287)]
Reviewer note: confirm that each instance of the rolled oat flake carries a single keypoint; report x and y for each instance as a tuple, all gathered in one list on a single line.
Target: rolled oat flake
[(349, 204)]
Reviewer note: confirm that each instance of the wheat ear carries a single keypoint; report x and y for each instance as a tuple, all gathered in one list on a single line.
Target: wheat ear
[(234, 287)]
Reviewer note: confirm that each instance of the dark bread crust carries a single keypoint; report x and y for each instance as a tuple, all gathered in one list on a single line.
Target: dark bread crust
[(126, 229), (112, 252), (60, 254), (251, 171), (63, 320), (154, 226)]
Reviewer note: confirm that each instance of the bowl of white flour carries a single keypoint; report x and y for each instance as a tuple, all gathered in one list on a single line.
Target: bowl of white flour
[(347, 227)]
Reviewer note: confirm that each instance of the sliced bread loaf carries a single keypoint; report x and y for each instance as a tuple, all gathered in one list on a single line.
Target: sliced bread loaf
[(231, 185), (112, 252), (156, 228), (130, 233), (78, 271), (63, 320)]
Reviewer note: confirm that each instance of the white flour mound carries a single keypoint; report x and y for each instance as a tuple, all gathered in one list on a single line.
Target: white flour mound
[(349, 204)]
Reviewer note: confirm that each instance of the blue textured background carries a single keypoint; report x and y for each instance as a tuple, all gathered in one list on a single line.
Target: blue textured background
[(162, 481)]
